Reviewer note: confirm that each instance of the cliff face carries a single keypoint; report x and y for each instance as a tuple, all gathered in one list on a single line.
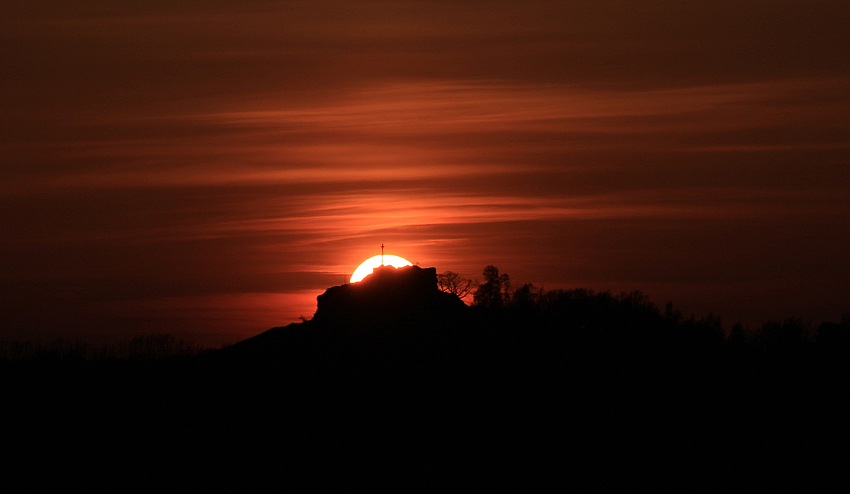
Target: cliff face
[(407, 295)]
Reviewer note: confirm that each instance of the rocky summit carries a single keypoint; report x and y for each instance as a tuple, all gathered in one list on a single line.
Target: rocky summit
[(389, 296)]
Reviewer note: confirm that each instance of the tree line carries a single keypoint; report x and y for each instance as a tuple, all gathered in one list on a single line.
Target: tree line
[(630, 315)]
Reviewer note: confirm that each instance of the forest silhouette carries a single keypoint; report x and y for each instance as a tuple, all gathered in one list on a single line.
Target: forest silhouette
[(396, 382)]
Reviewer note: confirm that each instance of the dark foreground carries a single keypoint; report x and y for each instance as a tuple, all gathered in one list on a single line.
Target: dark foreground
[(492, 400)]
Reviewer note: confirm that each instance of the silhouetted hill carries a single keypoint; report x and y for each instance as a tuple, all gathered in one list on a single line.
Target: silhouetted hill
[(359, 320), (398, 385)]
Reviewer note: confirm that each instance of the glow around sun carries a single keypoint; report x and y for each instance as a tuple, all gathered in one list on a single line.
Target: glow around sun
[(365, 269)]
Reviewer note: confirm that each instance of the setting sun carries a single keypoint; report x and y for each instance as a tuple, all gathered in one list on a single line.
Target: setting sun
[(365, 269)]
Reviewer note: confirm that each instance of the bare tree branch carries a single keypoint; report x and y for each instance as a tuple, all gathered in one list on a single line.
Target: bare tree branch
[(451, 282)]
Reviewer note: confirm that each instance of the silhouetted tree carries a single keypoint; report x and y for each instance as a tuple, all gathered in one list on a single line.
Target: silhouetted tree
[(489, 293), (835, 335), (705, 333), (788, 334), (451, 282), (737, 335), (525, 297), (672, 317)]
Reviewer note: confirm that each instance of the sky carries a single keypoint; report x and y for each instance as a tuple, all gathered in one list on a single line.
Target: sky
[(207, 168)]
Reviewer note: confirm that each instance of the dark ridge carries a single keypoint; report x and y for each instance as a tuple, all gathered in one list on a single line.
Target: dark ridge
[(394, 384)]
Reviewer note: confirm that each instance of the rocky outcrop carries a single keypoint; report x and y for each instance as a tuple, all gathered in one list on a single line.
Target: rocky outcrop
[(389, 296)]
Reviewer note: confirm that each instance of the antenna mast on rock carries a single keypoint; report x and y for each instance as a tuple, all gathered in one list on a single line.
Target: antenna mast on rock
[(382, 254)]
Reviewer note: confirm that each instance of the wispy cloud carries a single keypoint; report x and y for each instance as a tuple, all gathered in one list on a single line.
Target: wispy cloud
[(430, 130)]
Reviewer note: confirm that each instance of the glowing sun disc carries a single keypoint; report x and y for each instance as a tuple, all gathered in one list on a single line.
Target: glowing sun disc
[(365, 269)]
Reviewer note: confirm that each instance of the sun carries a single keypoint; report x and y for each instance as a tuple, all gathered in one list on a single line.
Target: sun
[(365, 269)]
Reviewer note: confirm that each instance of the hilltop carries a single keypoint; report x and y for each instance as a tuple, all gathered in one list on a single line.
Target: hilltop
[(393, 382)]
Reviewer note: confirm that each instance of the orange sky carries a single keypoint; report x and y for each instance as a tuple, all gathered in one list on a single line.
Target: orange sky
[(208, 168)]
